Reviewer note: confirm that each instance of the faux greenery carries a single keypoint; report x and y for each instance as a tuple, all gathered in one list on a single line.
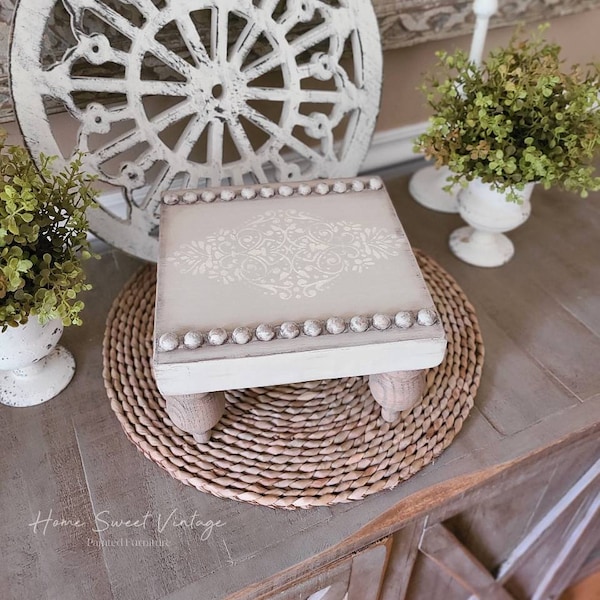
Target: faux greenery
[(43, 238), (518, 118)]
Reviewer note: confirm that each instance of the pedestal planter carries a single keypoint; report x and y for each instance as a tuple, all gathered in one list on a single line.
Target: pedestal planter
[(489, 215), (33, 368)]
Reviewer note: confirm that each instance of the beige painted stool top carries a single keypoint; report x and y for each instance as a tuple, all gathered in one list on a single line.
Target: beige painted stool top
[(279, 283)]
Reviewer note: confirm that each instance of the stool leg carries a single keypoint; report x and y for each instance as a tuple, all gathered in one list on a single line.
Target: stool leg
[(397, 391), (196, 413)]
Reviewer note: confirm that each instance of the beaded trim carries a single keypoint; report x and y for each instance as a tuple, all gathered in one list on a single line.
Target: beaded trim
[(228, 194), (291, 330)]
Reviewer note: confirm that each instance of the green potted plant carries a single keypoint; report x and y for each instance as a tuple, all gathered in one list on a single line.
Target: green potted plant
[(43, 242), (520, 118)]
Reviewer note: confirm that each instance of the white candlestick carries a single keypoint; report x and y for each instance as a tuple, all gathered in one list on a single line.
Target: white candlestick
[(483, 10)]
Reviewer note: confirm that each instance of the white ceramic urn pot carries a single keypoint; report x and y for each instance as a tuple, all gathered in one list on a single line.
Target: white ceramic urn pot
[(489, 215), (33, 368)]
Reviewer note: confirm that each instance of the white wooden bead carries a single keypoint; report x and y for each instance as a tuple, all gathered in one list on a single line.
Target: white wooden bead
[(426, 317), (241, 335), (208, 196), (322, 188), (358, 185), (170, 198), (265, 332), (267, 192), (381, 321), (285, 190), (313, 328), (404, 319), (248, 193), (340, 187), (304, 189), (189, 197), (168, 341), (375, 183), (359, 323), (336, 325), (217, 336), (289, 330), (193, 340), (227, 195)]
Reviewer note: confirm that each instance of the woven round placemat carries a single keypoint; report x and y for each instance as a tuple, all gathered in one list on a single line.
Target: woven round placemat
[(300, 445)]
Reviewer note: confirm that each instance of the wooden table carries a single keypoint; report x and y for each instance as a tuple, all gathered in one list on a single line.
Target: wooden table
[(330, 287), (85, 515)]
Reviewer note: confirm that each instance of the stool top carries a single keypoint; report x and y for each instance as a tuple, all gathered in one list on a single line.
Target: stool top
[(253, 271)]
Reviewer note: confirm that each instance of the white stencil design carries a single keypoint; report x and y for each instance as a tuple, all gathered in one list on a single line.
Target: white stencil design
[(287, 253)]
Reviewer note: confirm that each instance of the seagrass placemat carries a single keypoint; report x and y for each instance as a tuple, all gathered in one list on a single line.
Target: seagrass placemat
[(301, 445)]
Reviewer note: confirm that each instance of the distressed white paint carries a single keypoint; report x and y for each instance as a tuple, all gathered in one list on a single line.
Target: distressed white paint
[(489, 214), (404, 334), (288, 363), (212, 91), (407, 24), (33, 368)]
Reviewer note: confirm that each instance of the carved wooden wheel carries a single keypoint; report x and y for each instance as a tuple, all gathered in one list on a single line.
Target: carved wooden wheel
[(193, 93)]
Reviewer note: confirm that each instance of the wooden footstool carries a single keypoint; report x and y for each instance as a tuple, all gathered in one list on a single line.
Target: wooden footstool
[(281, 283)]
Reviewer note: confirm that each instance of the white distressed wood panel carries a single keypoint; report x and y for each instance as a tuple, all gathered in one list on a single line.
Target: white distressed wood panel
[(329, 283)]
